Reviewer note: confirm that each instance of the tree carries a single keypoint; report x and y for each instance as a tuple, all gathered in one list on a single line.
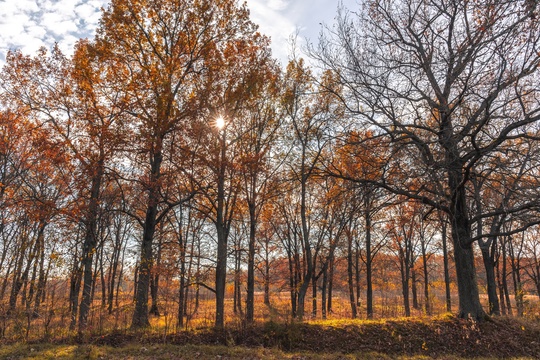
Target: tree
[(309, 111), (169, 55), (403, 231), (504, 185), (76, 103), (260, 132), (356, 160), (448, 83), (532, 268)]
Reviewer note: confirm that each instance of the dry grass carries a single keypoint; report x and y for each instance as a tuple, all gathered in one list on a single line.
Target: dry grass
[(276, 335), (167, 352), (53, 324), (443, 337)]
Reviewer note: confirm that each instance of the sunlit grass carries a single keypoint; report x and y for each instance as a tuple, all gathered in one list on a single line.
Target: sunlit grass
[(168, 351), (109, 335)]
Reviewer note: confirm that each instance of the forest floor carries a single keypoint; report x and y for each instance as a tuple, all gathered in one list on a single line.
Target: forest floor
[(443, 337)]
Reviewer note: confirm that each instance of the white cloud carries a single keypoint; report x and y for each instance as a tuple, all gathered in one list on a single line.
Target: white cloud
[(25, 5), (278, 4), (58, 24), (85, 11), (273, 22), (282, 19), (29, 24)]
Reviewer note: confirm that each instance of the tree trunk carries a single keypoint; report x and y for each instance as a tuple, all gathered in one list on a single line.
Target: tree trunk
[(32, 284), (74, 289), (369, 282), (18, 276), (518, 291), (501, 290), (8, 270), (427, 301), (120, 277), (297, 280), (489, 265), (89, 245), (414, 290), (113, 268), (448, 295), (182, 295), (330, 284), (357, 276), (292, 283), (154, 282), (250, 292), (135, 281), (221, 273), (314, 297), (182, 292), (515, 262), (266, 276), (42, 279), (95, 273), (308, 276), (352, 301), (140, 315), (154, 288), (504, 279), (404, 271), (222, 237), (469, 298), (102, 278), (237, 282), (323, 293), (197, 277)]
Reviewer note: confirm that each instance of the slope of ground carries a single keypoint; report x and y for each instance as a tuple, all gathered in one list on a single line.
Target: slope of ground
[(444, 337)]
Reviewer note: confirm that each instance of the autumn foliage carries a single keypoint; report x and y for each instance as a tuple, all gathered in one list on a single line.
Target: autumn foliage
[(399, 179)]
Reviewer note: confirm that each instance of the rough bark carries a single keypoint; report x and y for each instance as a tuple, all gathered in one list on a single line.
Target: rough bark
[(154, 282), (330, 284), (350, 281), (324, 294), (427, 301), (448, 295), (222, 238), (504, 279), (309, 272), (369, 267), (405, 277), (250, 291), (414, 289), (140, 315), (489, 265)]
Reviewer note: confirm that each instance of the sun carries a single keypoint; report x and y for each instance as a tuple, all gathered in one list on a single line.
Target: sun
[(220, 122)]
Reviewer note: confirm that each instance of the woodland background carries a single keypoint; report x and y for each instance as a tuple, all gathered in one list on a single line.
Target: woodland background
[(171, 173)]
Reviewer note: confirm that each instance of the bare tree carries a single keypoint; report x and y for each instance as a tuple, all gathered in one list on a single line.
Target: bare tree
[(449, 83)]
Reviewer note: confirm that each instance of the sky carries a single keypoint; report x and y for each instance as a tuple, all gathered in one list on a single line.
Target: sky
[(29, 24)]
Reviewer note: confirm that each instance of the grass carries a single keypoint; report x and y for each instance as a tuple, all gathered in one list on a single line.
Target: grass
[(275, 336), (441, 337), (162, 351), (171, 351)]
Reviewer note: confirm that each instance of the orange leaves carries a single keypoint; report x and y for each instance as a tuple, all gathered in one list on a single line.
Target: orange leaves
[(362, 156)]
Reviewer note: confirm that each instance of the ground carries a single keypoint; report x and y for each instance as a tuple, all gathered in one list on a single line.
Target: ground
[(443, 337)]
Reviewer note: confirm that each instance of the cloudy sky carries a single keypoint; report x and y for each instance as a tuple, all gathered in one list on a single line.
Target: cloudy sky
[(29, 24)]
